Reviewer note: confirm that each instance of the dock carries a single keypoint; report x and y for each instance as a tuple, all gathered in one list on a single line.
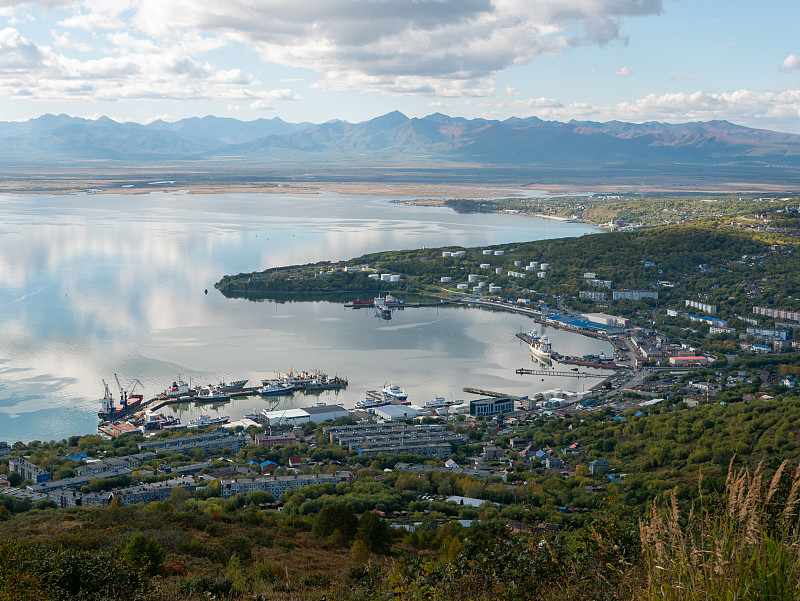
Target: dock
[(550, 372), (491, 393)]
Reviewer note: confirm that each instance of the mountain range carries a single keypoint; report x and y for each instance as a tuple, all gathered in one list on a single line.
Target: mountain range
[(395, 139)]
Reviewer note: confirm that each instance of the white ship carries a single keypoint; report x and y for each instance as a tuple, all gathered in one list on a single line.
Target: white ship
[(541, 350)]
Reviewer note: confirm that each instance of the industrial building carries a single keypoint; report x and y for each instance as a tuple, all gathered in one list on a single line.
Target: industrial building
[(489, 407), (318, 414)]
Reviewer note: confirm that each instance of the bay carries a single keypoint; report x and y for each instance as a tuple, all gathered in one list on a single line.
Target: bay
[(93, 285)]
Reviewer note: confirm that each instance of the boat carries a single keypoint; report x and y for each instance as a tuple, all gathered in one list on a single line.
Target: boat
[(255, 415), (360, 303), (206, 420), (128, 401), (440, 401), (177, 390), (394, 391), (369, 403), (212, 394), (382, 311), (325, 383), (276, 388), (541, 350), (235, 386)]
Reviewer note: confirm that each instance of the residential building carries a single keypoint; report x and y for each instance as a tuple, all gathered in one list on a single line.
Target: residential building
[(592, 295), (114, 463), (28, 471), (5, 450), (688, 361), (287, 438), (598, 467), (710, 309), (276, 485), (779, 313), (211, 442), (633, 295)]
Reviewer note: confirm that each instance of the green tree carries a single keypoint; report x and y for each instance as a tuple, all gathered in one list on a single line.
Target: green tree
[(145, 553), (374, 533), (337, 516)]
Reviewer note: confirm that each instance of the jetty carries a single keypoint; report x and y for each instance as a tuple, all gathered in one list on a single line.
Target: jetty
[(491, 393), (551, 372)]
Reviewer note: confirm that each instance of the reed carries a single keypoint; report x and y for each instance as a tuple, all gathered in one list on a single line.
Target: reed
[(742, 546)]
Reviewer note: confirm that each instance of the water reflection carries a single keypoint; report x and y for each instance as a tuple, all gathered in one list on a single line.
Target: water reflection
[(93, 285)]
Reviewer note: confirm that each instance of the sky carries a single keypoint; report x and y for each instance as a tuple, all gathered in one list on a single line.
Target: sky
[(318, 60)]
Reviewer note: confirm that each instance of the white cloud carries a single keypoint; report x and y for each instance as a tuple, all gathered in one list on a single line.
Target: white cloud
[(509, 91), (417, 47), (682, 78), (624, 72), (64, 40), (791, 63), (757, 109)]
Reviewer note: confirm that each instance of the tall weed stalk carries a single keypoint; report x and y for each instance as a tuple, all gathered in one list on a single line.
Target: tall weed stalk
[(746, 547)]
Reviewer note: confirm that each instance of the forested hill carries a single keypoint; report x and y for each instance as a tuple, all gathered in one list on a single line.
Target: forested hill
[(630, 259)]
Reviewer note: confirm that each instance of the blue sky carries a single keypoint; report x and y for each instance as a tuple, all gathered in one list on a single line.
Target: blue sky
[(315, 60)]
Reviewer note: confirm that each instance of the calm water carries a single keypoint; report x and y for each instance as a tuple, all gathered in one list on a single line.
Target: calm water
[(93, 285)]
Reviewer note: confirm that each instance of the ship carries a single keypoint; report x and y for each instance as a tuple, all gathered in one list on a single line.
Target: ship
[(440, 401), (394, 391), (541, 350), (382, 311), (323, 382), (369, 403), (128, 401), (207, 420), (212, 394), (276, 388), (177, 390), (233, 387)]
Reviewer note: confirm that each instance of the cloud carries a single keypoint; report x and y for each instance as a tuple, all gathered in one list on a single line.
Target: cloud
[(509, 91), (682, 78), (790, 63), (409, 47), (757, 109), (624, 72)]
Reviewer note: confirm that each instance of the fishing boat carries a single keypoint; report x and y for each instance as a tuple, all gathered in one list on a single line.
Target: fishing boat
[(369, 403), (212, 394), (276, 388)]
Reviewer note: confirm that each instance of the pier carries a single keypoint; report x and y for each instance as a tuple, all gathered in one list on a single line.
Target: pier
[(491, 393), (550, 372)]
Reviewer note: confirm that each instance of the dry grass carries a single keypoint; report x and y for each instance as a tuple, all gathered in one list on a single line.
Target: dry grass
[(746, 549)]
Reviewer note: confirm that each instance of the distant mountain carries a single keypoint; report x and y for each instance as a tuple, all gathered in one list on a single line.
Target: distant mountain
[(398, 140)]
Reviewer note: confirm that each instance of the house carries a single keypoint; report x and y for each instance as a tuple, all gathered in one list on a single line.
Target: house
[(598, 467), (554, 463), (493, 453), (295, 461)]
